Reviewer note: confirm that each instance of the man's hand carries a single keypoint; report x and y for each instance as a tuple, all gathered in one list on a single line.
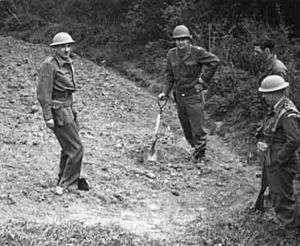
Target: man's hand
[(262, 146), (50, 124), (201, 81), (162, 96), (201, 85)]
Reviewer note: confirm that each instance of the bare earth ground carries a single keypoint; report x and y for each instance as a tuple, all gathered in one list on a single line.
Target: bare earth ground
[(130, 202)]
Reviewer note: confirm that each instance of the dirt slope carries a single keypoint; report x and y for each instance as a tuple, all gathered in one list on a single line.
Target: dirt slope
[(130, 203)]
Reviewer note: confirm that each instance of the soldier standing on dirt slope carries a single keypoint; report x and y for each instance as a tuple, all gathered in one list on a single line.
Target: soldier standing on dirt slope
[(54, 93), (270, 64), (186, 78), (279, 139)]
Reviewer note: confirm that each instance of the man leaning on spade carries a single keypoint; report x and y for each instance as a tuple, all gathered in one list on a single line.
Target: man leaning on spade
[(187, 78), (54, 92)]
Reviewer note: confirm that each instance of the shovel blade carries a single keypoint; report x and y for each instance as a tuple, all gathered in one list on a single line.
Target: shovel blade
[(151, 155)]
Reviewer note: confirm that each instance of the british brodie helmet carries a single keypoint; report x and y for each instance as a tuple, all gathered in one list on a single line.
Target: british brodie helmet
[(62, 38), (273, 83)]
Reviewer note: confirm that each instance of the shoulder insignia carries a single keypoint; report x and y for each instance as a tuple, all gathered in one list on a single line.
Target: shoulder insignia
[(197, 48)]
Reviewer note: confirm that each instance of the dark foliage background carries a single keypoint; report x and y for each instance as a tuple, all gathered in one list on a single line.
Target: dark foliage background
[(139, 31)]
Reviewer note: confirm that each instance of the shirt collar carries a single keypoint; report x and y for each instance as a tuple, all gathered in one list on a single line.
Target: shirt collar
[(186, 53), (61, 61), (278, 103)]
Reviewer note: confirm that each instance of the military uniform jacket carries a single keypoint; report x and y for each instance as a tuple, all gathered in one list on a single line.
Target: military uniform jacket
[(183, 72), (56, 80), (281, 131), (273, 66)]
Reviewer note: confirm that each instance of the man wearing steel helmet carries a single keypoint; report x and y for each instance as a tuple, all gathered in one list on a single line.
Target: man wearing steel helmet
[(269, 65), (54, 92), (188, 80), (278, 141)]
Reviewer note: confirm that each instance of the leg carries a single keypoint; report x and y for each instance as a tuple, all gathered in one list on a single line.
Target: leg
[(297, 195), (62, 164), (282, 192), (185, 123), (66, 131), (196, 118)]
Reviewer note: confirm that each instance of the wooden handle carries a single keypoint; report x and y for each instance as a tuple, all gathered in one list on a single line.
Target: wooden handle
[(157, 123)]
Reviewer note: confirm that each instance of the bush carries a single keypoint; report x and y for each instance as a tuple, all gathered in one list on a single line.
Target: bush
[(141, 30)]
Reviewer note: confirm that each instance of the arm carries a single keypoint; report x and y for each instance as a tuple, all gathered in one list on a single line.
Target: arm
[(44, 89), (169, 77), (210, 62), (290, 125)]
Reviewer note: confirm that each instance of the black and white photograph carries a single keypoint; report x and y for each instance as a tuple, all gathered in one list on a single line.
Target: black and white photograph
[(150, 122)]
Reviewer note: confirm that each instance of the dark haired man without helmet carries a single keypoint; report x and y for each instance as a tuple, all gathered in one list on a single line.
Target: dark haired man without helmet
[(270, 64), (54, 92), (278, 141), (186, 78)]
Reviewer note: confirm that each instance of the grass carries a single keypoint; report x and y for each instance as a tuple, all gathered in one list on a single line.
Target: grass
[(71, 233)]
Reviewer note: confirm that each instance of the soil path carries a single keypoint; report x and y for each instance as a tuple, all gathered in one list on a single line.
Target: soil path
[(171, 201)]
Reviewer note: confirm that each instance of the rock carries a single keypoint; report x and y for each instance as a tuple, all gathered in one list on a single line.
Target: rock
[(226, 167), (175, 192), (119, 197), (119, 145), (220, 184), (153, 207), (34, 109), (150, 175)]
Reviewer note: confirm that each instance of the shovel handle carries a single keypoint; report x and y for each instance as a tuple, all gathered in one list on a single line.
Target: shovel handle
[(157, 123), (161, 104)]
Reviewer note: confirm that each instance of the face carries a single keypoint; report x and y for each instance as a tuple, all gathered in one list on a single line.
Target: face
[(261, 53), (63, 50), (182, 43), (270, 98)]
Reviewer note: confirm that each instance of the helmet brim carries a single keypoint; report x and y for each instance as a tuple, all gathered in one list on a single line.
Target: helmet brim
[(283, 86), (58, 43), (181, 37)]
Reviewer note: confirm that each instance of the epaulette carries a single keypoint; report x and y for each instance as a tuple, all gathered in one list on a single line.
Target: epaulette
[(197, 47), (49, 59)]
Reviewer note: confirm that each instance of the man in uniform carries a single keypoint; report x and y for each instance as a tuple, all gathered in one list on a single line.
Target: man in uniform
[(279, 138), (54, 92), (270, 64), (186, 78)]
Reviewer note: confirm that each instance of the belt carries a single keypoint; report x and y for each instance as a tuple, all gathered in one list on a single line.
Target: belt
[(61, 95), (188, 92), (61, 104)]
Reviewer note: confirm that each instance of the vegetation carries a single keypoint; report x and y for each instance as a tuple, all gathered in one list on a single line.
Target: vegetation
[(140, 31)]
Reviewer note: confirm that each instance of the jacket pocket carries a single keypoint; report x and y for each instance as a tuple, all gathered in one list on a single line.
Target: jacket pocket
[(63, 116)]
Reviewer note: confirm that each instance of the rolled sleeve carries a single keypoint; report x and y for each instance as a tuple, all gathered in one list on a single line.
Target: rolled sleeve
[(44, 89), (169, 76), (210, 62)]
